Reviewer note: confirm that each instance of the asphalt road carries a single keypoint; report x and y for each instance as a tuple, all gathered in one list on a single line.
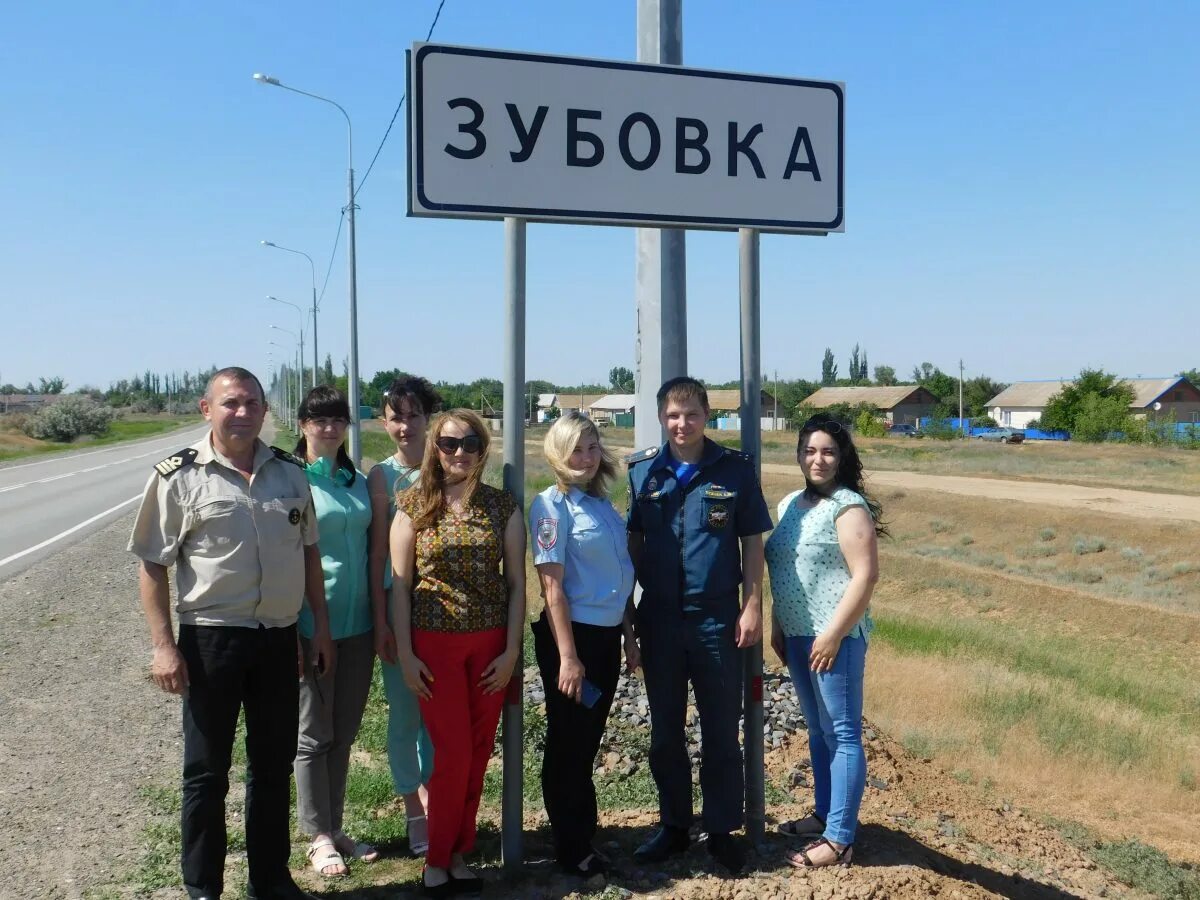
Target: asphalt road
[(49, 504)]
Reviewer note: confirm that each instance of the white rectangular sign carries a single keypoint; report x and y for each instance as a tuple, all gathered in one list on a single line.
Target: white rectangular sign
[(494, 133)]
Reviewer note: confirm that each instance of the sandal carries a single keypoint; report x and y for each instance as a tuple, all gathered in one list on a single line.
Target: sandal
[(420, 845), (357, 850), (810, 825), (801, 860), (322, 854)]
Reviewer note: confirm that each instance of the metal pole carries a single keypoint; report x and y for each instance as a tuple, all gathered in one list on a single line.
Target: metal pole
[(314, 312), (661, 288), (751, 411), (961, 425), (512, 812), (301, 354), (355, 435)]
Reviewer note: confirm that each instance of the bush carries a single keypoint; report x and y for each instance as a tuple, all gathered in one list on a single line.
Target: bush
[(866, 425), (68, 418)]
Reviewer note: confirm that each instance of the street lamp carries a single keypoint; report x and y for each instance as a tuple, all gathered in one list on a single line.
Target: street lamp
[(355, 444), (299, 350), (284, 385), (301, 314), (313, 271)]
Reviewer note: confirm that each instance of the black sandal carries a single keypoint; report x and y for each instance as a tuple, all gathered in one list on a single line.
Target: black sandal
[(840, 857), (792, 828)]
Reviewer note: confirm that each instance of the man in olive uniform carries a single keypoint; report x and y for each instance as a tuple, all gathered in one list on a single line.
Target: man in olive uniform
[(236, 519), (696, 519)]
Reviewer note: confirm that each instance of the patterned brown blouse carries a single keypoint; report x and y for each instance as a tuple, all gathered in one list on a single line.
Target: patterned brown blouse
[(459, 586)]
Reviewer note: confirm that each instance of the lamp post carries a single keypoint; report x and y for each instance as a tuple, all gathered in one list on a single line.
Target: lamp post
[(355, 437), (285, 387), (313, 272), (299, 375), (301, 314)]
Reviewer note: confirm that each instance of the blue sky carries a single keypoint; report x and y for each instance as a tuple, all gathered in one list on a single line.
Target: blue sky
[(1021, 191)]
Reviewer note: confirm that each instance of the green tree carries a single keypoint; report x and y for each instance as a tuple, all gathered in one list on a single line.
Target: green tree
[(1192, 375), (976, 394), (621, 379), (1090, 419), (867, 424), (325, 376), (53, 385), (885, 375), (829, 369), (855, 363)]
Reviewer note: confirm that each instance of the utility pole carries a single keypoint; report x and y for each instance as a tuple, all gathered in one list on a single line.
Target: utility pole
[(962, 426), (775, 413)]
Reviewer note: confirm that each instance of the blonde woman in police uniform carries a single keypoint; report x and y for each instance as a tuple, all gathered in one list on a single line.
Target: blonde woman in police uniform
[(587, 583), (236, 519)]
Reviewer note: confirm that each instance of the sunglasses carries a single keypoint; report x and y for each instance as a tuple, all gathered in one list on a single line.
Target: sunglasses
[(472, 443), (830, 426)]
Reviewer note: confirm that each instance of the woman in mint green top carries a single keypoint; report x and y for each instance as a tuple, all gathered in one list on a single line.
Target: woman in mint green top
[(823, 563), (407, 405), (332, 705)]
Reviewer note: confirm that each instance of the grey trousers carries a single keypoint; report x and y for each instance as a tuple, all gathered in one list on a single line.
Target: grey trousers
[(331, 709)]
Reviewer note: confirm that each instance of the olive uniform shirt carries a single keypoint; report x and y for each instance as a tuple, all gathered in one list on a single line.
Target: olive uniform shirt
[(237, 545)]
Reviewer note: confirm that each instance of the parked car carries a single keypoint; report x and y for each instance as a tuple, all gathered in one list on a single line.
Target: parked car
[(904, 431), (1003, 435)]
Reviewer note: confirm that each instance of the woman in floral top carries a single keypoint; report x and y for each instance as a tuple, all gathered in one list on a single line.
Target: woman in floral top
[(458, 555)]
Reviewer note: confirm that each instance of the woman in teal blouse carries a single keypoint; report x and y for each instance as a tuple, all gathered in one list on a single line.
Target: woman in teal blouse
[(332, 705), (823, 563)]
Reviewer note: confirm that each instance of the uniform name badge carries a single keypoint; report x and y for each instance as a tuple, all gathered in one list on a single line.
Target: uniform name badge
[(547, 533), (294, 516)]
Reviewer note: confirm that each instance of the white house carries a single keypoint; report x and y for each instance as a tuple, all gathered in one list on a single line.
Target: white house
[(1023, 402), (610, 405)]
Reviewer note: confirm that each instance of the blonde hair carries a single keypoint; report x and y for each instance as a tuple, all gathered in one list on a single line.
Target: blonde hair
[(430, 491), (562, 438)]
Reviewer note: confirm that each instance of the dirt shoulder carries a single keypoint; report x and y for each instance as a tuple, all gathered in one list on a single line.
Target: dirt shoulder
[(1115, 501)]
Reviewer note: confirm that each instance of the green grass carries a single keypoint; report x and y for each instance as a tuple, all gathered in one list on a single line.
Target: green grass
[(120, 430), (1138, 865)]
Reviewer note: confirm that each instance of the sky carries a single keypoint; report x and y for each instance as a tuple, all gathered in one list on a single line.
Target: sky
[(1021, 192)]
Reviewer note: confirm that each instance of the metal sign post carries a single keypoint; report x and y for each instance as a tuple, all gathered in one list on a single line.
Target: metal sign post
[(751, 412), (512, 813)]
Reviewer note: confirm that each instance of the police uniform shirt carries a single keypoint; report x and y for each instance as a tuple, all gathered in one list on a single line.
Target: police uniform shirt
[(586, 536), (692, 532), (237, 545)]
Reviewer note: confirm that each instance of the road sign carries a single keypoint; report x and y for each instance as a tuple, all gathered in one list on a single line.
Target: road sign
[(495, 133)]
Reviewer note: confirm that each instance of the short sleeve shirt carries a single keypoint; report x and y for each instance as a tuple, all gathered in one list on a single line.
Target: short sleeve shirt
[(691, 547), (237, 545), (460, 584), (586, 536), (343, 507), (808, 571), (398, 478)]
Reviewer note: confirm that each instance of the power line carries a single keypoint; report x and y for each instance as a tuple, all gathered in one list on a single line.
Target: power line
[(332, 254), (437, 15)]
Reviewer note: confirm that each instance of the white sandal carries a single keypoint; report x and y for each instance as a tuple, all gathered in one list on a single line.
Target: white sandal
[(329, 856), (358, 850), (418, 848)]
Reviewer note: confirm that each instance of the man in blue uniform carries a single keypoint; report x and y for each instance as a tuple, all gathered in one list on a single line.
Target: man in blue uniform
[(696, 519)]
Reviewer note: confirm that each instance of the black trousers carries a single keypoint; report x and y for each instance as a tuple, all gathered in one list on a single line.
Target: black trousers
[(230, 669), (573, 734)]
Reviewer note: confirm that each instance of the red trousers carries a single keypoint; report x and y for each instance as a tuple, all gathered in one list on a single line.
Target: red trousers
[(461, 721)]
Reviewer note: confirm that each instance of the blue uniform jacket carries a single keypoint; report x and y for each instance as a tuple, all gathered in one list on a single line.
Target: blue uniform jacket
[(692, 534)]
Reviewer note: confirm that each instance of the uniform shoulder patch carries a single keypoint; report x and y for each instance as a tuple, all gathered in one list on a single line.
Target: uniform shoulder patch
[(282, 454), (648, 453), (176, 461)]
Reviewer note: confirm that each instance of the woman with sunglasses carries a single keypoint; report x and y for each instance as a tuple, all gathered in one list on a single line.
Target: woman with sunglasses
[(586, 575), (407, 405), (823, 564), (332, 704), (458, 557)]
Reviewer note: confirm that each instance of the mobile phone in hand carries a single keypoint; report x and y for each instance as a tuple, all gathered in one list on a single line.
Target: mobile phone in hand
[(589, 694)]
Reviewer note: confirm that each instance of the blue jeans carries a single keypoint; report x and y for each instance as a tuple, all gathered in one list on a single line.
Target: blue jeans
[(832, 703)]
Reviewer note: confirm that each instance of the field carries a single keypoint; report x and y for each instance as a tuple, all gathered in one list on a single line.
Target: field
[(1027, 657), (15, 444)]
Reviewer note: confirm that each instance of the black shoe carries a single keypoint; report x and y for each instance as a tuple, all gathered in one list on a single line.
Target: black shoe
[(288, 890), (724, 849), (668, 841), (466, 887), (446, 889)]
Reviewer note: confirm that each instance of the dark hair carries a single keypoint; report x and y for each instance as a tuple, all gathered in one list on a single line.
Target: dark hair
[(418, 391), (235, 373), (324, 401), (850, 469), (681, 390)]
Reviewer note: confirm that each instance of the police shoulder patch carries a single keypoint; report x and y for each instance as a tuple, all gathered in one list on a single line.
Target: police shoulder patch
[(282, 454), (175, 462), (648, 453)]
